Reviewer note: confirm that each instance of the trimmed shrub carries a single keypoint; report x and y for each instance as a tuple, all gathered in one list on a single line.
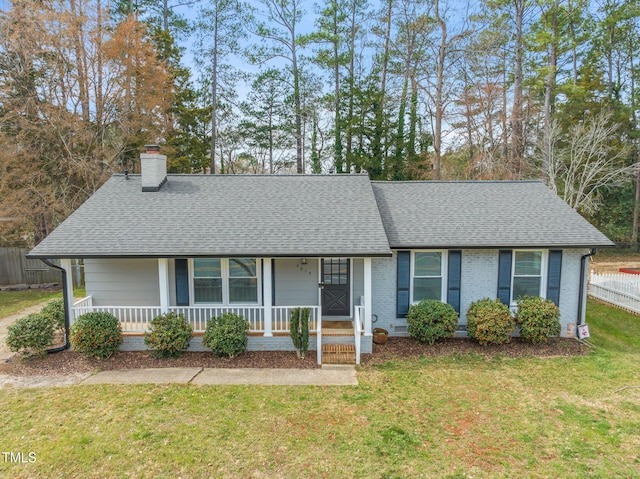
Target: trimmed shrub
[(226, 335), (490, 321), (169, 337), (538, 319), (96, 334), (54, 311), (299, 329), (431, 320), (30, 335)]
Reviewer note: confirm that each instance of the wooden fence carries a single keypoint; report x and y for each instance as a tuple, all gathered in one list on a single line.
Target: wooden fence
[(620, 289), (15, 268)]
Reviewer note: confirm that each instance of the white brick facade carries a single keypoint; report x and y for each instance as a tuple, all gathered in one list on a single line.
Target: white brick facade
[(479, 279)]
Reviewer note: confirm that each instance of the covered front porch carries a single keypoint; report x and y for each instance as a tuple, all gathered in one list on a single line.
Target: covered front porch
[(332, 288)]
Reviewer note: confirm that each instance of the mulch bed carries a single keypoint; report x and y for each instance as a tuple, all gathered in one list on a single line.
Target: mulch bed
[(406, 348), (69, 362)]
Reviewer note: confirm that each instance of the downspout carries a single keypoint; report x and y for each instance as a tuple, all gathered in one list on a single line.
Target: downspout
[(583, 289), (66, 311)]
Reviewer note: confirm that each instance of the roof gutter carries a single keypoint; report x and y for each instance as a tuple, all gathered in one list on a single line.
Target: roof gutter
[(583, 289), (66, 299)]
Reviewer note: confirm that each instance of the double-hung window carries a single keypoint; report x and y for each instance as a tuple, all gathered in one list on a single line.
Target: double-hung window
[(225, 281), (207, 280), (428, 275), (243, 280), (528, 274)]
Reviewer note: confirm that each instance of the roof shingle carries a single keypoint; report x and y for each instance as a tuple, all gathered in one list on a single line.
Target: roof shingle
[(224, 215), (483, 214)]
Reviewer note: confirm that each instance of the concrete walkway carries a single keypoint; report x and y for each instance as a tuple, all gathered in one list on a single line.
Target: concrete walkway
[(329, 375)]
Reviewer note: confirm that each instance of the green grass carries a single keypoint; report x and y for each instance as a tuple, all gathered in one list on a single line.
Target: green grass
[(12, 302), (453, 417)]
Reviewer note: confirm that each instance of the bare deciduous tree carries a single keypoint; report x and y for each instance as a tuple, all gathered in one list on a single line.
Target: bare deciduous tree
[(584, 161)]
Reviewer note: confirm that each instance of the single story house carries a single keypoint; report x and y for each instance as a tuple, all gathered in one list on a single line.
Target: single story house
[(357, 252)]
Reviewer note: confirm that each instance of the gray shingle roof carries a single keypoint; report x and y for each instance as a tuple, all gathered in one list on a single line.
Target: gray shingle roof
[(480, 214), (211, 215)]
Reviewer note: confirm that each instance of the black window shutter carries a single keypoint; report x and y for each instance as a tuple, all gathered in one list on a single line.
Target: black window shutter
[(404, 282), (182, 282), (504, 276), (273, 282), (553, 279), (453, 278)]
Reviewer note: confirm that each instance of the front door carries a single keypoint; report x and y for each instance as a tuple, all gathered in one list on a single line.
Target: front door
[(335, 291)]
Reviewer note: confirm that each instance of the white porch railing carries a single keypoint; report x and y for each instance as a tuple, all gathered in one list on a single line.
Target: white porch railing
[(281, 315), (358, 327), (199, 315), (137, 319), (82, 306), (619, 289)]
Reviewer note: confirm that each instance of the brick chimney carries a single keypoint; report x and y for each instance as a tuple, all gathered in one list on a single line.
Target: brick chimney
[(153, 166)]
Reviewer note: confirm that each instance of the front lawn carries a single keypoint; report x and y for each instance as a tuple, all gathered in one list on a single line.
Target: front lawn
[(12, 302), (453, 417)]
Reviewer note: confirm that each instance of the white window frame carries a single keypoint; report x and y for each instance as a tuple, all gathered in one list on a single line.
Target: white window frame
[(444, 270), (224, 271), (544, 261)]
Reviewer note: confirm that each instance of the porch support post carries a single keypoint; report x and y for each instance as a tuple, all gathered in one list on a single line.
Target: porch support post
[(267, 296), (66, 265), (163, 277), (367, 296)]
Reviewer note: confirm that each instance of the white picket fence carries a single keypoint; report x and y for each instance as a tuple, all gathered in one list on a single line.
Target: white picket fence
[(619, 289)]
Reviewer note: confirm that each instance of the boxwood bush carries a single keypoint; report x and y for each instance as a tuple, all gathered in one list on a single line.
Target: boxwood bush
[(490, 321), (54, 310), (226, 335), (431, 320), (538, 319), (96, 334), (170, 335), (30, 335)]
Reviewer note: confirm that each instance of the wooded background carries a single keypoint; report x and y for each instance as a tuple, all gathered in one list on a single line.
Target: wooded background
[(400, 89)]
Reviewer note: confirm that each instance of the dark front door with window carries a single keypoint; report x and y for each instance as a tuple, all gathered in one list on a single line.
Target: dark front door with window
[(335, 292)]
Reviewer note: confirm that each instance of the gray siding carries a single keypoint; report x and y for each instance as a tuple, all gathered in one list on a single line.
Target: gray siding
[(479, 279), (296, 283), (357, 265), (122, 282)]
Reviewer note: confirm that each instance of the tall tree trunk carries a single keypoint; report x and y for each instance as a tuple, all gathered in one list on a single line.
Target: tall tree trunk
[(549, 88), (99, 76), (503, 116), (517, 121), (214, 95), (81, 58), (439, 102), (298, 106), (634, 108), (337, 152), (352, 55), (378, 154), (412, 156)]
